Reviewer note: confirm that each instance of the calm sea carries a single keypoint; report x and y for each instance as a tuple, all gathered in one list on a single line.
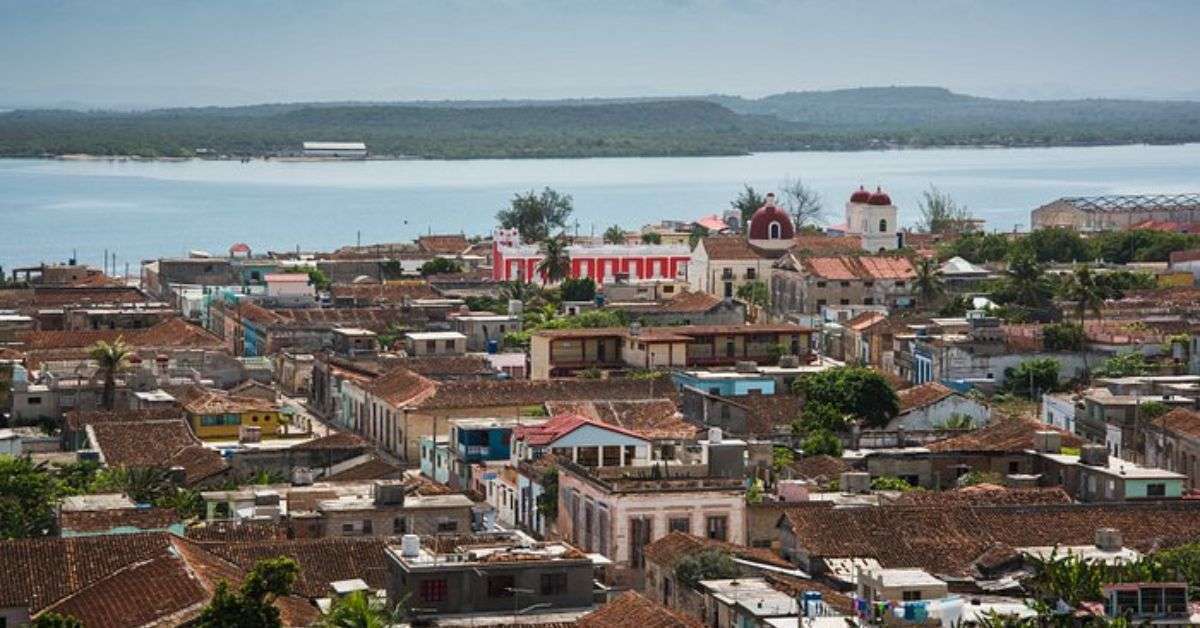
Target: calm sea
[(149, 209)]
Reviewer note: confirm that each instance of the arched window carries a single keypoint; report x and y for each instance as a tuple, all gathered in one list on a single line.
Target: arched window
[(883, 225), (774, 231)]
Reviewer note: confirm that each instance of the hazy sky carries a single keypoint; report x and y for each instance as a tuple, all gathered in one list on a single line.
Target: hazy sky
[(117, 52)]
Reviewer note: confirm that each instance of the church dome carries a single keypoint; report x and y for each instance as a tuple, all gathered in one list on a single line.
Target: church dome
[(861, 195), (879, 197), (771, 222)]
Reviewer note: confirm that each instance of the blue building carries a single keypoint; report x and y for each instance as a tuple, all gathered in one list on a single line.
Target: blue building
[(476, 441), (725, 383)]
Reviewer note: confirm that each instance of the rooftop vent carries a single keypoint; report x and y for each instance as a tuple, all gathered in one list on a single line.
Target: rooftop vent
[(1094, 455)]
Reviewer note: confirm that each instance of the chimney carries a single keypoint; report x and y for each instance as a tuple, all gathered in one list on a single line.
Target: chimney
[(1109, 539), (770, 202)]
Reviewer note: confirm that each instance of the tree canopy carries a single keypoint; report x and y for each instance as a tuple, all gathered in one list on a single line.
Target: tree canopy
[(856, 391), (746, 203), (252, 605), (535, 215), (28, 493)]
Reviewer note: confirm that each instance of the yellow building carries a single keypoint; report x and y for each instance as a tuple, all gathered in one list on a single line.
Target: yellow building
[(217, 415)]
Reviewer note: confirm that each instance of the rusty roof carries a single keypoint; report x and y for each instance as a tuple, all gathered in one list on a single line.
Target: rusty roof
[(452, 244), (922, 395), (632, 609), (109, 518), (649, 418), (863, 267), (672, 548), (524, 392), (401, 386), (393, 292), (158, 444), (322, 561), (170, 333), (733, 247), (1180, 421), (1011, 434)]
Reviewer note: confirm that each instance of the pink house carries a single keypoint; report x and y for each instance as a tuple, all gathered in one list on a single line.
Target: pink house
[(513, 261)]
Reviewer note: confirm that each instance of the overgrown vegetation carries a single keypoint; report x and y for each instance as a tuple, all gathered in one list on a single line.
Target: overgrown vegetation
[(856, 391), (706, 565), (253, 604)]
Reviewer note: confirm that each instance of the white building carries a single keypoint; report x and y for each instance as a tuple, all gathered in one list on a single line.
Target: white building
[(872, 216), (342, 150)]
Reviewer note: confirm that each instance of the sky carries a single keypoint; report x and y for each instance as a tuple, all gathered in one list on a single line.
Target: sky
[(120, 53)]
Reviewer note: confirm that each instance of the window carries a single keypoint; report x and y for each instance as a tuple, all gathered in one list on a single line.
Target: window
[(679, 524), (554, 583), (1014, 467), (431, 346), (367, 527), (820, 302), (751, 273), (717, 527), (433, 590), (399, 526), (449, 345), (1156, 490), (774, 231), (820, 284), (347, 528), (612, 455), (899, 284), (845, 301), (882, 225), (869, 284), (729, 349), (500, 586), (910, 596), (34, 401), (449, 525), (845, 284), (869, 301)]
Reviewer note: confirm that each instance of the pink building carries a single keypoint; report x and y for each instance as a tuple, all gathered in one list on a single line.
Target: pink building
[(513, 261)]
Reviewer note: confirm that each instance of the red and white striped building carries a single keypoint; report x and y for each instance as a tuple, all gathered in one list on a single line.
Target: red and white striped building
[(512, 261)]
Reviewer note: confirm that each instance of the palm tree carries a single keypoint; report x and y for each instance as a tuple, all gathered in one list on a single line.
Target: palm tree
[(614, 235), (1087, 294), (111, 358), (519, 291), (357, 610), (556, 262), (1025, 277), (928, 281)]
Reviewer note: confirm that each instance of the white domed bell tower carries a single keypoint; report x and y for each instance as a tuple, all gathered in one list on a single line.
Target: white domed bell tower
[(872, 217)]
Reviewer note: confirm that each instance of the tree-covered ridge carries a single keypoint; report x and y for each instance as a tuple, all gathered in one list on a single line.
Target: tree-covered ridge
[(711, 125)]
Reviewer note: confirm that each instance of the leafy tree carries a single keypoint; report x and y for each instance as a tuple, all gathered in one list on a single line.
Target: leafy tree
[(754, 293), (781, 457), (940, 213), (754, 494), (822, 442), (802, 202), (1152, 410), (1141, 245), (252, 605), (698, 233), (520, 291), (976, 477), (360, 610), (547, 501), (614, 235), (747, 202), (706, 565), (535, 215), (556, 262), (1025, 281), (955, 306), (439, 266), (55, 620), (77, 477), (1062, 337), (581, 289), (890, 483), (1039, 375), (318, 278), (186, 502), (856, 391), (928, 281), (28, 493), (819, 415), (111, 358), (977, 247), (1124, 365), (958, 422), (651, 238), (1086, 291), (1057, 244)]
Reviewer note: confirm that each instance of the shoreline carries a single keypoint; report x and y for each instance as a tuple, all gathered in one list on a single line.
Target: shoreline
[(89, 157)]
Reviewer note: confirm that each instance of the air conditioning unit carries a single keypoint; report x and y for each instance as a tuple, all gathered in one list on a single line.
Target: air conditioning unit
[(855, 482)]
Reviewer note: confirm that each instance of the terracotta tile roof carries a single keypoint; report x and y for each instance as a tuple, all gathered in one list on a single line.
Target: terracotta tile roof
[(729, 248), (105, 520), (221, 402), (446, 366), (946, 540), (684, 303), (632, 609), (796, 587), (159, 444), (171, 333), (819, 467), (1180, 421), (650, 418), (77, 419), (322, 561), (985, 495), (140, 594), (523, 392), (863, 267), (401, 386), (445, 244), (676, 332), (394, 292), (922, 395), (765, 414), (865, 320), (40, 572), (335, 441), (59, 296), (826, 245), (1012, 434), (670, 549), (236, 530), (561, 425)]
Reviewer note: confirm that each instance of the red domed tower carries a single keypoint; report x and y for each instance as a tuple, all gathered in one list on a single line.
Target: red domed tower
[(771, 222), (861, 195), (879, 197)]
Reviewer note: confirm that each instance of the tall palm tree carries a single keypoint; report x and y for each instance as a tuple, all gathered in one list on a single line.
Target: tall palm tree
[(111, 358), (1026, 278), (928, 281), (1082, 289), (358, 610), (614, 235), (556, 262)]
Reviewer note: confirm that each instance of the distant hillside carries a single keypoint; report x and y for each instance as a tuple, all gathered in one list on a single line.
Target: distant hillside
[(710, 125)]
